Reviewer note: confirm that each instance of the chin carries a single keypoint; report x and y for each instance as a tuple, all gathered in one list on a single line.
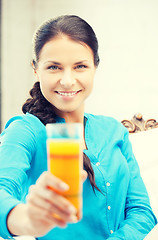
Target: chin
[(70, 108)]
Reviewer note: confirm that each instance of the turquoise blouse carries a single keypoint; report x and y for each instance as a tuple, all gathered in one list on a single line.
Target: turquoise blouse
[(121, 211)]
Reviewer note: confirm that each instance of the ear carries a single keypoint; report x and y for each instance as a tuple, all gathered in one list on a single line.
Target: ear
[(35, 73)]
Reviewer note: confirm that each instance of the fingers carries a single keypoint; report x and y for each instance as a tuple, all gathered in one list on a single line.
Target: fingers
[(50, 204), (49, 180), (84, 175), (50, 201), (41, 218), (47, 208), (51, 214), (45, 201)]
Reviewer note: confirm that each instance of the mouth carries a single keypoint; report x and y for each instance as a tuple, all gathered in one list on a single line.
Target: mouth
[(68, 93)]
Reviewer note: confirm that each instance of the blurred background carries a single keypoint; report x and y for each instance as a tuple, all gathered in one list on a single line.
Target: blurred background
[(127, 77)]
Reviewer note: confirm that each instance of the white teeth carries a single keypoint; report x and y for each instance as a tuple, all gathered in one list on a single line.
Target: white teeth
[(67, 94)]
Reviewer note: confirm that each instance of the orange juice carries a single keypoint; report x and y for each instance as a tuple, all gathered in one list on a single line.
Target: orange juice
[(65, 162)]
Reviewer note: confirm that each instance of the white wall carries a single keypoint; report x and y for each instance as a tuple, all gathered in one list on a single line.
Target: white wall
[(127, 78)]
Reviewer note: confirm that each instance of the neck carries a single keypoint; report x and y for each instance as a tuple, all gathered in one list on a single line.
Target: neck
[(75, 116)]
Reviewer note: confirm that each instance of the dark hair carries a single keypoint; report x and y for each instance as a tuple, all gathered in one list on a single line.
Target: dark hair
[(73, 26), (78, 30)]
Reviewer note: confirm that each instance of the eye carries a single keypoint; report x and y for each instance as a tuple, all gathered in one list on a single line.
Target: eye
[(81, 66), (53, 67)]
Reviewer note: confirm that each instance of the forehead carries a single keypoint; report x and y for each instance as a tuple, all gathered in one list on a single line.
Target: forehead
[(62, 48)]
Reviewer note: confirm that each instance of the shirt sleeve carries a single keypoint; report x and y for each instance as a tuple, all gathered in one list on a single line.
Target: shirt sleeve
[(17, 144), (139, 218)]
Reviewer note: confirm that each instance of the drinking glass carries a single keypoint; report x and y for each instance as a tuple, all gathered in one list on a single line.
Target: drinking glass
[(65, 158)]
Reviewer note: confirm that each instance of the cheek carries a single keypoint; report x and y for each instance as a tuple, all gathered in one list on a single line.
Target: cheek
[(90, 87), (88, 83), (46, 82)]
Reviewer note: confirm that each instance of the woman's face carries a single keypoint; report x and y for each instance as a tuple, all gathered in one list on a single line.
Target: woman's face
[(66, 71)]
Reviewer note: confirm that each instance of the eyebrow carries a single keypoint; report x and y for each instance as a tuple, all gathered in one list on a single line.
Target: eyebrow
[(81, 62), (53, 62), (57, 63)]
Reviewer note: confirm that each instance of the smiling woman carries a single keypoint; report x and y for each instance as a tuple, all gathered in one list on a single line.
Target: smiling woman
[(115, 200)]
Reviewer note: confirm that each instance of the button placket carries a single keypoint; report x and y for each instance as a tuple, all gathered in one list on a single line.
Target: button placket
[(108, 185)]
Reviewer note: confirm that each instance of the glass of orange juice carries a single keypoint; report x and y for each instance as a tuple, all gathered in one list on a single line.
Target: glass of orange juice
[(65, 158)]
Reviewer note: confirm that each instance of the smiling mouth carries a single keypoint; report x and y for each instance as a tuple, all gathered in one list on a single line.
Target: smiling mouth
[(67, 93)]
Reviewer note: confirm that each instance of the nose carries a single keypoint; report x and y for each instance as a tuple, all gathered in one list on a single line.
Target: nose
[(67, 80)]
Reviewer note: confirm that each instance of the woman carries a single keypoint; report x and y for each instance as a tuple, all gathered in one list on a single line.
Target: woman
[(115, 201)]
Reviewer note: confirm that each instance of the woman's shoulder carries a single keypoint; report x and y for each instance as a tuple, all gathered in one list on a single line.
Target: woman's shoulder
[(23, 130), (26, 122), (106, 126), (103, 120)]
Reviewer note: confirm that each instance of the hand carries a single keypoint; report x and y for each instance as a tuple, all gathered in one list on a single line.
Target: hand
[(46, 208)]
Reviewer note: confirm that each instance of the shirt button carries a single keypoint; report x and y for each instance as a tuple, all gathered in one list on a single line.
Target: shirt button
[(109, 207), (107, 184), (98, 163), (111, 231)]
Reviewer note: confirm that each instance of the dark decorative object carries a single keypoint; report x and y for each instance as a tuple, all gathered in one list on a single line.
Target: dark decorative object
[(137, 123)]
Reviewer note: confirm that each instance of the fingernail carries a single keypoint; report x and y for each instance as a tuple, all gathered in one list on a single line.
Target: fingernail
[(64, 186), (72, 209), (73, 219)]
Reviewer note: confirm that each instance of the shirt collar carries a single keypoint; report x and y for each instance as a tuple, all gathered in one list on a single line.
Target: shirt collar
[(62, 120)]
